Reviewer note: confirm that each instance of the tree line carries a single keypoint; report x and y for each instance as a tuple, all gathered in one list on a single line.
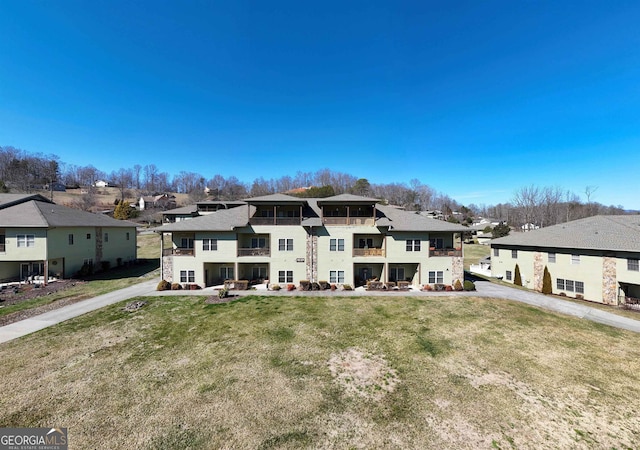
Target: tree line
[(541, 206)]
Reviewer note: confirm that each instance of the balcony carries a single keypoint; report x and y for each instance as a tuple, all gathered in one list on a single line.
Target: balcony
[(366, 221), (275, 221), (178, 252), (444, 252), (264, 251), (368, 252)]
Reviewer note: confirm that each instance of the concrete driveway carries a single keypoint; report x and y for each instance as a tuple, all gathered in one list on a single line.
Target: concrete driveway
[(584, 311), (36, 323)]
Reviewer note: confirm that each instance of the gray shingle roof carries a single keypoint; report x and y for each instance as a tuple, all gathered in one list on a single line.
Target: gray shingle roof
[(346, 198), (276, 198), (396, 219), (221, 220), (615, 233), (7, 200), (37, 214)]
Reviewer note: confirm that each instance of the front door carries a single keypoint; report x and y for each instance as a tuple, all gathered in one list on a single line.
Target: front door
[(24, 271)]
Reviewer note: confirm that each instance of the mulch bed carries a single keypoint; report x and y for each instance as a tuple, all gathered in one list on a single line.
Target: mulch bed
[(11, 296), (214, 299)]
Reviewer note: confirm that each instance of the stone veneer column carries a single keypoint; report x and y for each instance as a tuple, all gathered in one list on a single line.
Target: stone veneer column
[(609, 281), (167, 268), (457, 269), (311, 259), (538, 271)]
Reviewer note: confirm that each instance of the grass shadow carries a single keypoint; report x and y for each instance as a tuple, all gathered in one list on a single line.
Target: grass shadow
[(137, 269)]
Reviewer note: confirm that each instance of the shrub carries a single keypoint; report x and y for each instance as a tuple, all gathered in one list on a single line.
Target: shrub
[(427, 287), (305, 285), (469, 286), (291, 287), (438, 287), (517, 278), (275, 287), (457, 286), (323, 285), (375, 285), (223, 293), (448, 288), (391, 284), (403, 285), (347, 287), (176, 286), (579, 297), (163, 286), (546, 282), (315, 286), (333, 287), (85, 270), (105, 265)]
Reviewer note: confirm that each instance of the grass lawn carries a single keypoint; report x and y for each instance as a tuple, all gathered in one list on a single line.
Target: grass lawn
[(357, 372), (473, 253)]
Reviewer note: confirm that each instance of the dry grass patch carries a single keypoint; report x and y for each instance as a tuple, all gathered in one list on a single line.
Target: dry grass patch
[(284, 373)]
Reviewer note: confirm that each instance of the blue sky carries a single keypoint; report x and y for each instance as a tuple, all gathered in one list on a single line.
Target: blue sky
[(475, 99)]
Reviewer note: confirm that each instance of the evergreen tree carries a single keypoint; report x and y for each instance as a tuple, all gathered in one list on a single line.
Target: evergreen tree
[(517, 278), (122, 211), (546, 282), (500, 230)]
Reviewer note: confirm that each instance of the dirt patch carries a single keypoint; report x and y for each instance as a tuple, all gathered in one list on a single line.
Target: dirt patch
[(14, 296), (214, 299), (363, 374)]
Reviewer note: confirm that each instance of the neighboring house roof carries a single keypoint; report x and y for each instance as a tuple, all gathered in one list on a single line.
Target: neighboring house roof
[(37, 214), (190, 209), (7, 200), (615, 233), (229, 219)]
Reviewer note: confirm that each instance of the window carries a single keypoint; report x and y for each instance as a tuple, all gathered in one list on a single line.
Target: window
[(187, 276), (632, 264), (514, 254), (437, 243), (106, 237), (413, 245), (258, 273), (551, 257), (396, 274), (336, 245), (186, 243), (2, 243), (258, 242), (570, 285), (70, 239), (496, 252), (127, 235), (210, 245), (26, 240), (436, 277), (285, 245), (507, 275), (88, 235), (88, 262), (285, 276), (336, 276), (575, 259), (226, 273)]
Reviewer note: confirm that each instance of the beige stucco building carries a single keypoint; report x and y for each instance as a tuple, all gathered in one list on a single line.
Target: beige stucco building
[(345, 239), (594, 258), (38, 237)]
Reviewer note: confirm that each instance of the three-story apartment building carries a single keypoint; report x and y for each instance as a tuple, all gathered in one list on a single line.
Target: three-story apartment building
[(345, 239)]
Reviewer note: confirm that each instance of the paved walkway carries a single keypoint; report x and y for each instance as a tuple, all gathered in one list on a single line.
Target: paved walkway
[(484, 289), (36, 323)]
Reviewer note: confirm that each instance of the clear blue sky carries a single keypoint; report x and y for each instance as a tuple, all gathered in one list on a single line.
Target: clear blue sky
[(475, 99)]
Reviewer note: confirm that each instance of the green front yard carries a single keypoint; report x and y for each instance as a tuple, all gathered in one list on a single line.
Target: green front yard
[(360, 372)]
